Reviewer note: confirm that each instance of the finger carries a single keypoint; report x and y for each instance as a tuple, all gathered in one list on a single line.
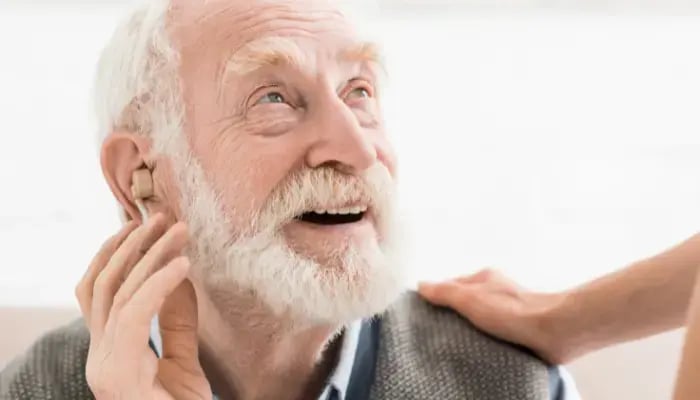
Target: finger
[(110, 279), (135, 317), (178, 324), (495, 280), (448, 294), (84, 289), (169, 246), (482, 276)]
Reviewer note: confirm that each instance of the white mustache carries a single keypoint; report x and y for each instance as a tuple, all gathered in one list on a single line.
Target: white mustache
[(324, 188)]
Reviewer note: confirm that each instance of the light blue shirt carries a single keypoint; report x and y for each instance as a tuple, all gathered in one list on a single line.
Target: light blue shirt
[(340, 380)]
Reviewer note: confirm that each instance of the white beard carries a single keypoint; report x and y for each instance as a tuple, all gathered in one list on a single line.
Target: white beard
[(364, 280)]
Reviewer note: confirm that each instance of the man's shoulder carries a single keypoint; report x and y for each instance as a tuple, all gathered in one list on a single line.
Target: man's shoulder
[(414, 320), (53, 367), (428, 350)]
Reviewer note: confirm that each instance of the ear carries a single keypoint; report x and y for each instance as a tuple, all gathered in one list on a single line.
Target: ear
[(124, 153)]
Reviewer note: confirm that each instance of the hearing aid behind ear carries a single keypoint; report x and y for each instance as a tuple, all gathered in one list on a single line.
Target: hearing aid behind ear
[(142, 189)]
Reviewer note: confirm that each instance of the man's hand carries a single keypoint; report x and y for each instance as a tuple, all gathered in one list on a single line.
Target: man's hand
[(135, 276), (500, 307)]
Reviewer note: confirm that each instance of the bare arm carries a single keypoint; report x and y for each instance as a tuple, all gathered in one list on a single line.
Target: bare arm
[(648, 297), (687, 382)]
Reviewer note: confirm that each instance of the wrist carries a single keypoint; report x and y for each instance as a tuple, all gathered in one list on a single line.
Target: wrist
[(555, 338)]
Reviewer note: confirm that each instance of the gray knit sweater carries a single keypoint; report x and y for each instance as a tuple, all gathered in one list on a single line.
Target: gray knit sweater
[(424, 353)]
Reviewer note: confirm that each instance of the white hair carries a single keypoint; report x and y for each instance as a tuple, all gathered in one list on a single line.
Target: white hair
[(138, 89), (137, 85)]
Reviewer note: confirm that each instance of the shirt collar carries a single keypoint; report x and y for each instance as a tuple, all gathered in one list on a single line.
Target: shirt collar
[(339, 380)]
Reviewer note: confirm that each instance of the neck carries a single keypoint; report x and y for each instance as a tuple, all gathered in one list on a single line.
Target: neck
[(249, 353)]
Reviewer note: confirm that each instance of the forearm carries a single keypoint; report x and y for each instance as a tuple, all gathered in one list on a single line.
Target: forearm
[(687, 383), (648, 297)]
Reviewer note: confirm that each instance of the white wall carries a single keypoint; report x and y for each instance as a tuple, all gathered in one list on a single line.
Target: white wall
[(54, 209), (556, 145)]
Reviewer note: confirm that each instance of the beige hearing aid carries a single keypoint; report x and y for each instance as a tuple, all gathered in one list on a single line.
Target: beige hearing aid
[(142, 184), (141, 189)]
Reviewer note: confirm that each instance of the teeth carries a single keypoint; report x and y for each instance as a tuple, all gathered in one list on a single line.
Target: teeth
[(342, 211)]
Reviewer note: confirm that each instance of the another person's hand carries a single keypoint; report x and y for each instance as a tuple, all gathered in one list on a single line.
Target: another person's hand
[(500, 307), (137, 275)]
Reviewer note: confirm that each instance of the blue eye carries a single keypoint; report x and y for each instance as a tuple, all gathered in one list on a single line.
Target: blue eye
[(271, 98)]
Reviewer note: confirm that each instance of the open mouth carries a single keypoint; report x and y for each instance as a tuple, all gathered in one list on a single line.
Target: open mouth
[(346, 215)]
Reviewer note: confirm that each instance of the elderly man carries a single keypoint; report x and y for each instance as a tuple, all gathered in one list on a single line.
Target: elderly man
[(244, 141)]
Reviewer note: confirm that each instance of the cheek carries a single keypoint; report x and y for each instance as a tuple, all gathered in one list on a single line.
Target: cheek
[(385, 151), (222, 158), (244, 170), (367, 113), (386, 154), (271, 120)]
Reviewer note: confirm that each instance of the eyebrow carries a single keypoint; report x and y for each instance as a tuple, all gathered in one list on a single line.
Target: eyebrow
[(364, 52), (269, 51), (276, 50)]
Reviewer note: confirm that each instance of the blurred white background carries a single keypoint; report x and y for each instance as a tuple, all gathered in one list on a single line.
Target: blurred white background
[(554, 140)]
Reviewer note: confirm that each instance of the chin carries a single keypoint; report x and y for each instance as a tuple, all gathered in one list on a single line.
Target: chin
[(362, 282), (358, 280)]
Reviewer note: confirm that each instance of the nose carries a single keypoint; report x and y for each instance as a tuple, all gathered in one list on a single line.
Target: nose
[(340, 141)]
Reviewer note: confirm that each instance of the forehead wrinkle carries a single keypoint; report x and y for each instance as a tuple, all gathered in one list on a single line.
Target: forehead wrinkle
[(281, 12), (229, 29), (232, 21), (208, 27)]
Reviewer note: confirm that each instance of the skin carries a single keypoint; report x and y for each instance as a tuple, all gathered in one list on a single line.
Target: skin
[(651, 296), (687, 383), (135, 275), (249, 130)]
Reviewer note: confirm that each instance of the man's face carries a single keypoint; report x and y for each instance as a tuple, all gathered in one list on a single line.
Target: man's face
[(282, 115)]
